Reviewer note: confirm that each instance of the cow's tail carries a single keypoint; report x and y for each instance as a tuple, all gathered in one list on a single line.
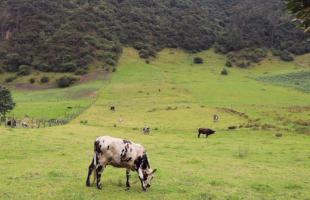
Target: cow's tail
[(95, 159), (96, 150)]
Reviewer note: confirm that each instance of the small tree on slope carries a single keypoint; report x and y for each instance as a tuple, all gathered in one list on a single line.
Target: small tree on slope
[(6, 102)]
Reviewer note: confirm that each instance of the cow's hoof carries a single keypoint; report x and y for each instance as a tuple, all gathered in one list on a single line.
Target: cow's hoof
[(99, 187), (87, 184), (127, 188)]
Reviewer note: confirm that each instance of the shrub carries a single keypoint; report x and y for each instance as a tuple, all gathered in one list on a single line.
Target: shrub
[(224, 71), (276, 52), (198, 60), (228, 64), (13, 61), (80, 71), (32, 80), (243, 64), (68, 67), (44, 79), (286, 56), (110, 61), (10, 79), (66, 81), (24, 70)]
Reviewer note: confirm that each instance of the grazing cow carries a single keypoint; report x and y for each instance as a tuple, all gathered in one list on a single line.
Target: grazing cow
[(25, 125), (122, 154), (205, 131), (146, 130), (12, 123), (215, 118)]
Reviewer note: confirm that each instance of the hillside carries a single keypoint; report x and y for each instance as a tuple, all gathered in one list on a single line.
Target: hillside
[(67, 36), (174, 97)]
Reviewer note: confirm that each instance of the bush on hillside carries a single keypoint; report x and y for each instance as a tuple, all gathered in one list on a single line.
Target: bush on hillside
[(68, 67), (80, 71), (147, 53), (228, 64), (286, 56), (44, 79), (110, 62), (198, 60), (10, 79), (224, 71), (246, 56), (66, 81), (24, 70), (276, 52), (13, 61), (32, 80)]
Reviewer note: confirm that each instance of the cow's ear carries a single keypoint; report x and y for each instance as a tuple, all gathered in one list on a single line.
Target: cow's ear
[(154, 170)]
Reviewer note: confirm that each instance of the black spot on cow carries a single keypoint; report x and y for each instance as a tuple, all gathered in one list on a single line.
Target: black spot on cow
[(100, 168), (123, 154), (145, 176), (126, 142), (97, 147), (138, 162), (108, 147), (145, 162), (126, 159)]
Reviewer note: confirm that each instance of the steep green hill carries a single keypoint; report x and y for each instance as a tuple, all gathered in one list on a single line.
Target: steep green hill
[(66, 36)]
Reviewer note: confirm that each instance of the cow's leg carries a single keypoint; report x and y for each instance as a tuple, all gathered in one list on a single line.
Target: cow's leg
[(127, 178), (99, 171), (141, 179), (91, 168), (198, 134), (206, 135)]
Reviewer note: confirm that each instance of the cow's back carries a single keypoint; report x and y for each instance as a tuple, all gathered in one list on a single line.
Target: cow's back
[(118, 152)]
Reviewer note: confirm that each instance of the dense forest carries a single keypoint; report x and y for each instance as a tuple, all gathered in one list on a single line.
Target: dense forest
[(67, 35)]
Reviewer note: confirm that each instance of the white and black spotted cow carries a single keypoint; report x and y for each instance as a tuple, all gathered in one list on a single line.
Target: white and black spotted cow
[(122, 154)]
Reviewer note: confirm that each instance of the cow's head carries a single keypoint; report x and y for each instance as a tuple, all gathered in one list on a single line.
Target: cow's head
[(148, 176)]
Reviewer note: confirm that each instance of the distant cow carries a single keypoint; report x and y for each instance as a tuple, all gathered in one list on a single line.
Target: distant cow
[(146, 130), (12, 123), (205, 131), (25, 125), (112, 108), (215, 118), (122, 154)]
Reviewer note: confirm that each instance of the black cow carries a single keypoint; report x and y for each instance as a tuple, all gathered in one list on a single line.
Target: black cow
[(205, 131), (146, 130), (12, 123)]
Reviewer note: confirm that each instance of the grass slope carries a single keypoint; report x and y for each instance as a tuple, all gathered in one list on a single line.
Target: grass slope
[(52, 163)]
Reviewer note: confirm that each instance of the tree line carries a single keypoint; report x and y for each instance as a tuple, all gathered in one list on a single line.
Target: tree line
[(66, 36)]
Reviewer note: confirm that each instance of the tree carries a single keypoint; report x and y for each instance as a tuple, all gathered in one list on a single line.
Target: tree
[(301, 10), (6, 102), (198, 60)]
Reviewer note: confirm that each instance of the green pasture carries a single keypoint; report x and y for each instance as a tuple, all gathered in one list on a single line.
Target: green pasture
[(174, 97)]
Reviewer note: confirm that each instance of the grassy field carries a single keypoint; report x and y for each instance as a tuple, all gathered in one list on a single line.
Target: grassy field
[(173, 97), (299, 80)]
